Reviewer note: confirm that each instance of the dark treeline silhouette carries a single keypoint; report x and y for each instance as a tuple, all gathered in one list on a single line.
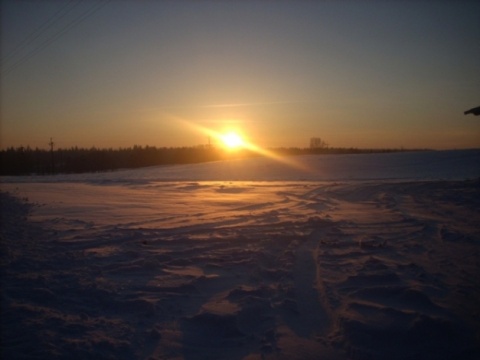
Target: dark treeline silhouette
[(336, 150), (26, 161)]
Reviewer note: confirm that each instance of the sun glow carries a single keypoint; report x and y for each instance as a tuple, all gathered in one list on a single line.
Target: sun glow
[(232, 140)]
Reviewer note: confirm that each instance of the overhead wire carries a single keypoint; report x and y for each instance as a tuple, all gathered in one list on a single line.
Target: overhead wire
[(55, 18), (55, 36)]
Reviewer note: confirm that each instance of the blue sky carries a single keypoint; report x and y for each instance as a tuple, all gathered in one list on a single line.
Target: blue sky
[(361, 74)]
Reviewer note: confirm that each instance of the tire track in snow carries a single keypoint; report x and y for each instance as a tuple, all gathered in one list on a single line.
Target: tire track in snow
[(313, 307)]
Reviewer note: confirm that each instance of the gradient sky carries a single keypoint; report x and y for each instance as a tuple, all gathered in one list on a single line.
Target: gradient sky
[(355, 73)]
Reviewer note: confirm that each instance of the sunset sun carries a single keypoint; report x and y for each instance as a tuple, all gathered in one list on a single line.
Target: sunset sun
[(232, 140)]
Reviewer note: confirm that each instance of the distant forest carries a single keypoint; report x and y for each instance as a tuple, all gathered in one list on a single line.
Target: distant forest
[(28, 161)]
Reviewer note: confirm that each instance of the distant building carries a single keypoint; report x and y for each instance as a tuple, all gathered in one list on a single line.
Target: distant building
[(317, 143)]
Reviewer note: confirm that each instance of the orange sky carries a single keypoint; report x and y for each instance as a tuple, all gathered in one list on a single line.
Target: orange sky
[(361, 74)]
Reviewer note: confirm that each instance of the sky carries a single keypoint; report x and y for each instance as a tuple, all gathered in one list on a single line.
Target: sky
[(367, 74)]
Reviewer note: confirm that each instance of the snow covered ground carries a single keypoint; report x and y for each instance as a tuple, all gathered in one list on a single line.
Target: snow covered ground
[(315, 257)]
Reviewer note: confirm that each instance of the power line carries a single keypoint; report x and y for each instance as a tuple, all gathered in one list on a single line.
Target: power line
[(60, 14), (92, 10), (55, 36)]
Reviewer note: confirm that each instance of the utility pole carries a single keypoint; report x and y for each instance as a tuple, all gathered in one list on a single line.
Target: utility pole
[(51, 143)]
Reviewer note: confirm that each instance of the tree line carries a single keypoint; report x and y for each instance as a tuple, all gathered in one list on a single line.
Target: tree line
[(24, 160), (27, 161)]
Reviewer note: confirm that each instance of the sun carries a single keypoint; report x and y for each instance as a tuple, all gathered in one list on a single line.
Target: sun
[(232, 140)]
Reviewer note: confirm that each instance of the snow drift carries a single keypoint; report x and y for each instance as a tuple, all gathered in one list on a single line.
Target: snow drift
[(150, 264)]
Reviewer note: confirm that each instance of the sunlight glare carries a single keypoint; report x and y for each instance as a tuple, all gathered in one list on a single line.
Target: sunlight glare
[(232, 140)]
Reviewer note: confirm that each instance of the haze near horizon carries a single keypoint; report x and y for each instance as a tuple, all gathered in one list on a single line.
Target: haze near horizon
[(357, 74)]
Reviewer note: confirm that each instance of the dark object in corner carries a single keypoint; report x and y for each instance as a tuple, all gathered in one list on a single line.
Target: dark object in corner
[(474, 111)]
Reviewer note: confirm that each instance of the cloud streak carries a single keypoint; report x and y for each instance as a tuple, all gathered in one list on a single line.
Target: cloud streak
[(251, 104)]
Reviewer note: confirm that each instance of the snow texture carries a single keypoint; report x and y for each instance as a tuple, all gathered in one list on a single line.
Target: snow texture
[(189, 263)]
